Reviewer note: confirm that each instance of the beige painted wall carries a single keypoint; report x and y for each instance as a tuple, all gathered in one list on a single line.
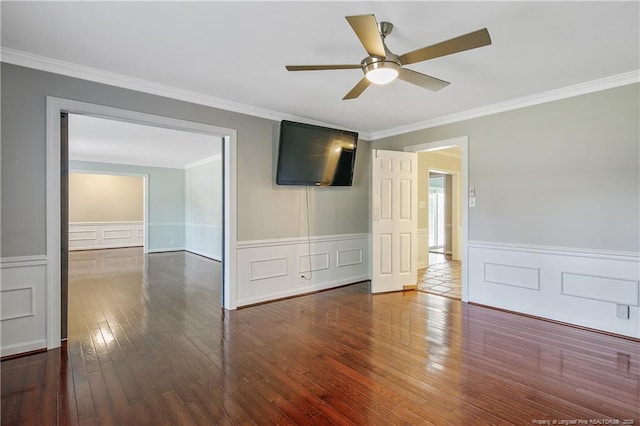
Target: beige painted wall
[(441, 160), (105, 198), (444, 160)]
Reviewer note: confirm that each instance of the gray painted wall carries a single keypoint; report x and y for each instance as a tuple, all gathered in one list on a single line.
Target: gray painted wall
[(203, 209), (166, 200), (264, 210), (563, 173)]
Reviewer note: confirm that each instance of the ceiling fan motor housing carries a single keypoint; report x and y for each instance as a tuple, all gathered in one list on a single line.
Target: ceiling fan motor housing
[(372, 63), (391, 64)]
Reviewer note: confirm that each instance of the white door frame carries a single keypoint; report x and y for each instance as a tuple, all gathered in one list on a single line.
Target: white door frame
[(463, 142), (455, 203), (54, 107)]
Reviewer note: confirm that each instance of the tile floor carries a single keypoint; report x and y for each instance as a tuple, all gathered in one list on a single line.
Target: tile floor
[(441, 277)]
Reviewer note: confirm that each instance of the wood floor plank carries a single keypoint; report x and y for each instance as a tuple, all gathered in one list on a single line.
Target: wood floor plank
[(66, 395), (102, 402), (149, 345), (84, 398)]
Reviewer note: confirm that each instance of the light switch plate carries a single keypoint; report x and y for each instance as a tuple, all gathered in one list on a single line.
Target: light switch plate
[(472, 202)]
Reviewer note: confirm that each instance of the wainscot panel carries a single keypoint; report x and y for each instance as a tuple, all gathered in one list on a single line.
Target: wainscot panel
[(22, 292), (101, 235), (580, 287), (273, 269)]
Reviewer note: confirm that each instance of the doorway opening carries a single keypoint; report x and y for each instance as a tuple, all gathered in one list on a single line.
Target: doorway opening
[(439, 214), (109, 205), (57, 163), (442, 218)]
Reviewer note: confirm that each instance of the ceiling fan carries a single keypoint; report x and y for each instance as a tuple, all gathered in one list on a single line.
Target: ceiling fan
[(382, 66)]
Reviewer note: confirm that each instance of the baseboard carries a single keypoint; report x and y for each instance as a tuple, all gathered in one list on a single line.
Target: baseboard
[(566, 324), (298, 295), (300, 291), (22, 354), (168, 249), (23, 347), (204, 254)]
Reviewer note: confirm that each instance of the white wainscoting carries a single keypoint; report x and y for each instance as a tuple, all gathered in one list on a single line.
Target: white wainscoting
[(423, 248), (576, 286), (272, 269), (23, 297), (101, 235)]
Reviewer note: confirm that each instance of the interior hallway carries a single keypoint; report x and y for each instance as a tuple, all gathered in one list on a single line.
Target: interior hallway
[(443, 276)]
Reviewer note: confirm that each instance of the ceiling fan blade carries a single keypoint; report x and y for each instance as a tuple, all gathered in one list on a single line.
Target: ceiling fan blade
[(366, 28), (458, 44), (358, 89), (422, 80), (321, 67)]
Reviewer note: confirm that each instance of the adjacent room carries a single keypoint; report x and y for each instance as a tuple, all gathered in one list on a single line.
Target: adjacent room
[(402, 212), (134, 190), (440, 222)]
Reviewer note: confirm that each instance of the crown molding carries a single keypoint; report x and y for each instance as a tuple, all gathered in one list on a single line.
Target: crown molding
[(43, 63), (69, 69), (526, 101)]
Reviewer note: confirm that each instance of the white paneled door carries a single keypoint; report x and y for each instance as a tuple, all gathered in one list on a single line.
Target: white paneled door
[(394, 220)]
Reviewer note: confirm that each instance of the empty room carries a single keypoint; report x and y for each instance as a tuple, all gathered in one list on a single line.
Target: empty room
[(425, 213)]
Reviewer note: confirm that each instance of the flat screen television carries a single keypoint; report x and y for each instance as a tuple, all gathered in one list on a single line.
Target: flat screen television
[(315, 156)]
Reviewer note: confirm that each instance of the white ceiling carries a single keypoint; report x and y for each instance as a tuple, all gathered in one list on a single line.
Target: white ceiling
[(235, 52), (110, 141)]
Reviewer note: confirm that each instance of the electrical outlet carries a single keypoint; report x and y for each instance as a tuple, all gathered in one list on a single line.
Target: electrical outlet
[(622, 311), (302, 278)]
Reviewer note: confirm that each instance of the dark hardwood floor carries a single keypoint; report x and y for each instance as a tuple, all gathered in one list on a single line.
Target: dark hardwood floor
[(149, 344)]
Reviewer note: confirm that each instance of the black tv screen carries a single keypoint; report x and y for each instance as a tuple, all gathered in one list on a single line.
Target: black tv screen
[(315, 155)]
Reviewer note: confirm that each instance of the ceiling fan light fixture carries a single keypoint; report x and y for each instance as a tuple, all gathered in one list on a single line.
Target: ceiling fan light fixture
[(382, 66), (381, 72)]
